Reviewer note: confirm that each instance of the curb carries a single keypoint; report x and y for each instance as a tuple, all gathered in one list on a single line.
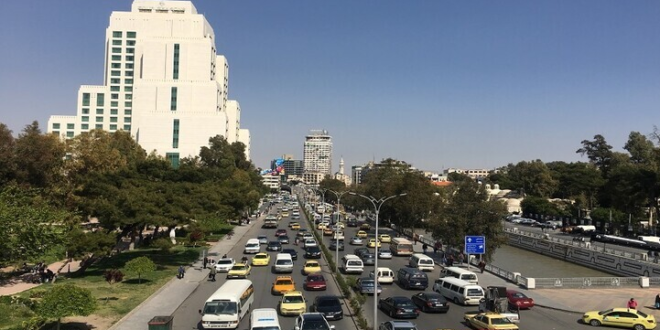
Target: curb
[(558, 309)]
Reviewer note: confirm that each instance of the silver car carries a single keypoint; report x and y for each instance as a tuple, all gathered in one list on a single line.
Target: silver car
[(365, 285), (356, 241), (384, 254)]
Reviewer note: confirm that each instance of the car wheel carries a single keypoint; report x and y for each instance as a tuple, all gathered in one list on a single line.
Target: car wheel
[(596, 323), (456, 301), (639, 327)]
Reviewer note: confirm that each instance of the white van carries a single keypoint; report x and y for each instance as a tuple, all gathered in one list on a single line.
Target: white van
[(421, 261), (459, 291), (586, 228), (252, 246), (652, 239), (228, 305), (460, 273), (264, 319), (385, 275), (283, 263), (352, 264)]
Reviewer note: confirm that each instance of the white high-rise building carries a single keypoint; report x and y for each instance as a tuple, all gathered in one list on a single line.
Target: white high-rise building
[(163, 81), (317, 156)]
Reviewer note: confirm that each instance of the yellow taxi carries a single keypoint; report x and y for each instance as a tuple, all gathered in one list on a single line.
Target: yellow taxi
[(340, 225), (620, 318), (361, 234), (240, 270), (311, 266), (294, 226), (283, 284), (327, 231), (372, 243), (322, 225), (293, 303), (261, 259), (489, 321), (385, 238)]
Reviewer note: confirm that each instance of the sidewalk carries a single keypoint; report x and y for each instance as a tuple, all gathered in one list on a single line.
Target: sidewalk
[(168, 298), (575, 301), (14, 286)]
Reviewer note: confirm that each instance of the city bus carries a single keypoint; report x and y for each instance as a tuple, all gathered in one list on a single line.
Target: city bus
[(401, 247), (228, 305)]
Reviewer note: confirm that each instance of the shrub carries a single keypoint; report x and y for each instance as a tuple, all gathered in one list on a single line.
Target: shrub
[(113, 276), (345, 289), (164, 244)]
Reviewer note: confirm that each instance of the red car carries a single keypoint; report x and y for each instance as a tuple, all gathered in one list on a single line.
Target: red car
[(315, 282), (519, 300), (280, 232)]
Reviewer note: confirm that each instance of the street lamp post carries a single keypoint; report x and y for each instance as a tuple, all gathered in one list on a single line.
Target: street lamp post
[(377, 203), (338, 194)]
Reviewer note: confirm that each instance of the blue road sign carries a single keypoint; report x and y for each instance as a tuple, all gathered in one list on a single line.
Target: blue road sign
[(475, 244)]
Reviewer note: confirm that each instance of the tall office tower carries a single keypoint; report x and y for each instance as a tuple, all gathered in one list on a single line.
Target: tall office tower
[(163, 81), (317, 155)]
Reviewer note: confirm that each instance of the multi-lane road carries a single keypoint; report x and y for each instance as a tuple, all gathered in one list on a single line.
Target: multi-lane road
[(187, 316)]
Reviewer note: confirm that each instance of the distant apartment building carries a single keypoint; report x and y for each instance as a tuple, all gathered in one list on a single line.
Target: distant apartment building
[(356, 174), (292, 168), (317, 156), (271, 181), (477, 174), (163, 82)]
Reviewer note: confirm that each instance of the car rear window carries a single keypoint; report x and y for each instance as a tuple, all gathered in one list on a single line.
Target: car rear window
[(474, 292)]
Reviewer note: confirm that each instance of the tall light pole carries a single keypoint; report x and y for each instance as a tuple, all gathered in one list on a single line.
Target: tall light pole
[(338, 194), (377, 203)]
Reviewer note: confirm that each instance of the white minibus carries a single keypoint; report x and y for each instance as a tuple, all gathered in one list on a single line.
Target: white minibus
[(401, 247), (228, 305), (264, 319), (459, 291), (460, 273), (421, 261)]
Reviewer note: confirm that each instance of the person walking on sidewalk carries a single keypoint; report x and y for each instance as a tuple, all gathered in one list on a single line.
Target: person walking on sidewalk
[(206, 260), (424, 247), (212, 274), (657, 301), (632, 304), (182, 272)]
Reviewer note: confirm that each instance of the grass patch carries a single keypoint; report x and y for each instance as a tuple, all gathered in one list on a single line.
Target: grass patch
[(118, 299)]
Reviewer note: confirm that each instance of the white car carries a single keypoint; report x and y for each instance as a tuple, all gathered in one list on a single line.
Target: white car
[(338, 235), (384, 254), (224, 265), (356, 241), (310, 242), (307, 236)]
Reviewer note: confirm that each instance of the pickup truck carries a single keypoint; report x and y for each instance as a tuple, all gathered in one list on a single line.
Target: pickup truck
[(489, 320)]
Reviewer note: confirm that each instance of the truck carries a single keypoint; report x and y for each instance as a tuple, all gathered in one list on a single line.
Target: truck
[(496, 302)]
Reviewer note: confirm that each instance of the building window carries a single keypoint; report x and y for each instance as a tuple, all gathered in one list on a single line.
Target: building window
[(128, 96), (113, 127), (70, 126), (113, 111), (99, 126), (116, 50), (130, 43), (128, 112), (130, 58), (113, 119), (99, 119), (129, 65), (114, 103), (114, 96), (116, 57), (99, 111), (116, 34), (175, 73), (69, 134), (173, 99), (127, 128), (128, 81), (128, 104), (128, 88), (84, 126), (175, 134), (115, 81), (130, 34), (115, 65), (128, 73), (56, 133), (173, 158), (130, 50), (115, 73), (116, 42), (100, 99), (127, 119), (114, 88), (85, 119), (85, 111), (56, 126), (85, 99)]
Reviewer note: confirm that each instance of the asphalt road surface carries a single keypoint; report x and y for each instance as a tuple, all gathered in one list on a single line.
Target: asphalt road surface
[(187, 316)]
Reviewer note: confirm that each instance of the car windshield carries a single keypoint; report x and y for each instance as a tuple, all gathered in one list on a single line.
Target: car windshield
[(518, 295), (238, 267), (328, 302), (283, 282), (500, 321), (252, 244), (220, 307), (367, 283), (284, 262), (604, 312), (471, 277), (316, 278), (315, 325), (293, 299), (642, 314), (224, 262), (272, 327), (311, 264), (260, 256)]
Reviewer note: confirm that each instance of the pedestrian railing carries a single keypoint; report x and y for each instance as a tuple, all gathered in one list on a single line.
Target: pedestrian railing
[(587, 282)]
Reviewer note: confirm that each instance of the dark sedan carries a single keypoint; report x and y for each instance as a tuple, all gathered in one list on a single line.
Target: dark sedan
[(313, 252), (333, 245), (398, 307), (284, 239), (329, 306), (274, 246), (359, 251), (369, 259), (292, 252), (431, 302)]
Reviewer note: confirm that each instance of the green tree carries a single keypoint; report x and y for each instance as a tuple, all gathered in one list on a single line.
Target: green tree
[(66, 300), (534, 178), (541, 206), (7, 161), (641, 149), (38, 157), (598, 152), (140, 266), (81, 244)]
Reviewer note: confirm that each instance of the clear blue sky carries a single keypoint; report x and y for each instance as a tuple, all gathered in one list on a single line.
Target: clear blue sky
[(472, 84)]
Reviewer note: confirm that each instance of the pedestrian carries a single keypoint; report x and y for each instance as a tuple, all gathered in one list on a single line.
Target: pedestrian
[(461, 258), (415, 238), (212, 274), (424, 247), (632, 304), (657, 301), (206, 260), (450, 261), (436, 247), (482, 266), (444, 260), (182, 271)]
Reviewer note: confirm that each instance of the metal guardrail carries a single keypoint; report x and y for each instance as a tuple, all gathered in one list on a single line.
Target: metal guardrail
[(587, 282)]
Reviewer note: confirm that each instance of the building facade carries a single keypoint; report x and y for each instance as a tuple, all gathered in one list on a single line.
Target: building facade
[(163, 82), (317, 156)]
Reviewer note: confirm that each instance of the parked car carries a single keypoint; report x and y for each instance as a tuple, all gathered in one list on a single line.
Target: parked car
[(398, 307), (430, 302), (330, 306)]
